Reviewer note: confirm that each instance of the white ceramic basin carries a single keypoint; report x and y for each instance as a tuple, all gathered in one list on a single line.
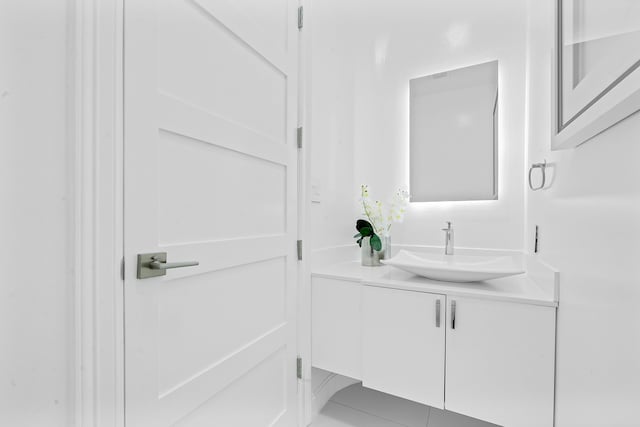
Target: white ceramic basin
[(455, 268)]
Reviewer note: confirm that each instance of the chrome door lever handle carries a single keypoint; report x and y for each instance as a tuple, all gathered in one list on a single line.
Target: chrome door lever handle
[(155, 264)]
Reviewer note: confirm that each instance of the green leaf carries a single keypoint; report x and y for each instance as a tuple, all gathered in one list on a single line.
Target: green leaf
[(376, 244), (357, 235), (366, 231), (361, 223)]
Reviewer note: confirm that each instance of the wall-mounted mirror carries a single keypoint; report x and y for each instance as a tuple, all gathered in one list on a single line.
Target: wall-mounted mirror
[(454, 135)]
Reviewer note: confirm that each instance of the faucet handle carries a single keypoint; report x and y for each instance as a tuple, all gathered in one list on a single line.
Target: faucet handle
[(448, 226)]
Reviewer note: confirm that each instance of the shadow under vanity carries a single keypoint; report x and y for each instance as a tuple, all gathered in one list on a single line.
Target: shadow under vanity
[(484, 349)]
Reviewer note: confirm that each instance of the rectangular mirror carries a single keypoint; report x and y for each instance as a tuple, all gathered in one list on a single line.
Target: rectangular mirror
[(454, 135)]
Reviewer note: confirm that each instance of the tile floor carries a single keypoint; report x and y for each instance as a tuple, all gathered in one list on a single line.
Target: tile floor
[(356, 406)]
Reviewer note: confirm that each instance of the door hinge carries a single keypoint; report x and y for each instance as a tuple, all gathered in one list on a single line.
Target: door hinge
[(299, 248), (300, 17), (299, 367), (299, 137), (122, 268)]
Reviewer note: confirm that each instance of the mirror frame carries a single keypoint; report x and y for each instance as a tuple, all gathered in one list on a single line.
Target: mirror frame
[(619, 100)]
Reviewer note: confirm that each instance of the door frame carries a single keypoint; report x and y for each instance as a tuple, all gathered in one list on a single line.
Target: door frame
[(95, 129), (304, 212)]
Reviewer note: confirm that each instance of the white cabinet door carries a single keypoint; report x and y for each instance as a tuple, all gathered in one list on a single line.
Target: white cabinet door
[(211, 176), (403, 344), (336, 328), (500, 361)]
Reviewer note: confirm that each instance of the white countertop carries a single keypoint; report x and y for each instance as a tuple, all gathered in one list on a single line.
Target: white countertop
[(521, 288)]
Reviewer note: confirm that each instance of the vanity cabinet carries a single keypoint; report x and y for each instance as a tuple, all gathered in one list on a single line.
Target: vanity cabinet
[(403, 344), (500, 361), (487, 358), (336, 326)]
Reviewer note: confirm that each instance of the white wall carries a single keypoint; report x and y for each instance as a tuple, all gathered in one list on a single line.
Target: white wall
[(365, 53), (590, 230), (330, 91), (35, 293)]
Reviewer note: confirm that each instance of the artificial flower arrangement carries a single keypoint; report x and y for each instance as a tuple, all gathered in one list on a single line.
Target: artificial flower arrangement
[(379, 219)]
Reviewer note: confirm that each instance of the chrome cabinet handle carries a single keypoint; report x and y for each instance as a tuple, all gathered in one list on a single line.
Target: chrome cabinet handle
[(437, 313), (162, 265), (155, 264), (453, 314)]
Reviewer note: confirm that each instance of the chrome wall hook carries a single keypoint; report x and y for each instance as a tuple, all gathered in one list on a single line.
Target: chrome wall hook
[(543, 169)]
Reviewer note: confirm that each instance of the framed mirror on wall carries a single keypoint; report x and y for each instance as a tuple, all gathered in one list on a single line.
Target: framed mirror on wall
[(597, 67), (453, 129)]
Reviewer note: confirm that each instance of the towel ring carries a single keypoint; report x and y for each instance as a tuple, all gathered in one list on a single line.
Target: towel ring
[(543, 169)]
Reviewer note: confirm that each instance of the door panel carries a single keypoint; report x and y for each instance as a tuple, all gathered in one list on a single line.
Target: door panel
[(403, 344), (203, 168), (226, 72), (210, 176), (500, 362), (252, 400), (221, 295)]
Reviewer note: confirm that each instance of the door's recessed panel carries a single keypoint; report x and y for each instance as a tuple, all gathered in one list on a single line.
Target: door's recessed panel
[(209, 317), (264, 19), (255, 399), (242, 86), (210, 193)]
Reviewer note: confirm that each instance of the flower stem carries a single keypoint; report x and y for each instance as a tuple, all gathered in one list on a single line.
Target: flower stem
[(366, 212)]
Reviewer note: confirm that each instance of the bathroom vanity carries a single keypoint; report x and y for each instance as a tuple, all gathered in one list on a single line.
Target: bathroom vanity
[(484, 349)]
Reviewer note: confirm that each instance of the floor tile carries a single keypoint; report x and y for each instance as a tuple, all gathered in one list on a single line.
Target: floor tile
[(336, 415), (405, 412), (357, 406), (440, 418)]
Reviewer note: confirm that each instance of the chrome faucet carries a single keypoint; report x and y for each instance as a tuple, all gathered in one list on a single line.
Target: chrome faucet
[(448, 240)]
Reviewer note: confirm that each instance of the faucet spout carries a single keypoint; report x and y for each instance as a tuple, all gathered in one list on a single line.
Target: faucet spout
[(448, 240)]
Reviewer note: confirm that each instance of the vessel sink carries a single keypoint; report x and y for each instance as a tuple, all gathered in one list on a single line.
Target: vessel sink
[(455, 268)]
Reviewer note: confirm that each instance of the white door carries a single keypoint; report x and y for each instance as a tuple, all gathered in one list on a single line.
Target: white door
[(403, 339), (210, 176)]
